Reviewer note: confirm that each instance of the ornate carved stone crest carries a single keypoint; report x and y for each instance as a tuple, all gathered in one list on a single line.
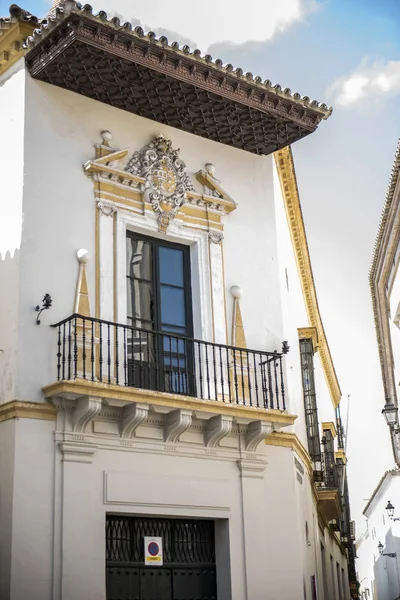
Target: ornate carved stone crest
[(166, 181)]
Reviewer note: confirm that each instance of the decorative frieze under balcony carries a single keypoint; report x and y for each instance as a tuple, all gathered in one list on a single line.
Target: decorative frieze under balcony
[(131, 372)]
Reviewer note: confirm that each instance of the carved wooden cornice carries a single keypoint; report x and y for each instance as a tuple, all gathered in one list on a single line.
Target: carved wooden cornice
[(162, 82), (290, 193)]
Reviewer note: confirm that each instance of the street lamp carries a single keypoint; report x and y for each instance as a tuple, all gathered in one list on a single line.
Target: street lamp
[(390, 512), (390, 411), (382, 553)]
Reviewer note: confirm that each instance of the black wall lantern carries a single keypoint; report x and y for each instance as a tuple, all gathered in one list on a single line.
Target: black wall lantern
[(382, 553), (46, 303), (390, 411), (390, 511)]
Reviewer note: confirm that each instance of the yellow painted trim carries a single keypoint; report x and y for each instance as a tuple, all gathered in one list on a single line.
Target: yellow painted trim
[(80, 387), (11, 40), (329, 503), (290, 440), (329, 426), (17, 409), (287, 177), (309, 333), (340, 454)]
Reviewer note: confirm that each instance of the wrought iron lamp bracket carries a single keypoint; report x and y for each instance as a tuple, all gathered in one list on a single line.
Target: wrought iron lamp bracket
[(46, 304)]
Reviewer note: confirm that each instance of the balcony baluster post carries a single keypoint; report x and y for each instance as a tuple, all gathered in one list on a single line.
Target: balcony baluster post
[(75, 350), (221, 366), (60, 355), (116, 350), (101, 352), (92, 350)]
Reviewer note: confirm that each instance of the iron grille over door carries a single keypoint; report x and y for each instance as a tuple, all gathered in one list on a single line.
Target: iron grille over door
[(188, 571)]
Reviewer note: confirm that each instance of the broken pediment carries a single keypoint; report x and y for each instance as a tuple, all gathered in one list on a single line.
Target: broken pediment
[(156, 177)]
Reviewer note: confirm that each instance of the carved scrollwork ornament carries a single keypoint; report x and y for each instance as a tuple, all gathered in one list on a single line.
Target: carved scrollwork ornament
[(216, 237), (106, 209), (166, 181)]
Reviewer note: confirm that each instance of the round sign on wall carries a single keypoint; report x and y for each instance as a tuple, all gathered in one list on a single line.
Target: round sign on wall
[(153, 551)]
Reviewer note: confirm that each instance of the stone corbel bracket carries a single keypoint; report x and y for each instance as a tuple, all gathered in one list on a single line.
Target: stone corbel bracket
[(256, 433), (87, 408), (133, 415), (176, 423), (217, 428)]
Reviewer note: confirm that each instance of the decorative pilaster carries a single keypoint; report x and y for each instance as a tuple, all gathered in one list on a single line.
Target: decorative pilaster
[(132, 416), (239, 367), (238, 335), (82, 301), (86, 410), (176, 423), (217, 428), (257, 431)]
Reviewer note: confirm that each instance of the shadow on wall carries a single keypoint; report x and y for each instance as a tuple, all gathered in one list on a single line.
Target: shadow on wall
[(387, 568), (9, 278)]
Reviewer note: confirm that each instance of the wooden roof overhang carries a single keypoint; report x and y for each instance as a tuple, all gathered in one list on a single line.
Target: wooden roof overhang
[(109, 62)]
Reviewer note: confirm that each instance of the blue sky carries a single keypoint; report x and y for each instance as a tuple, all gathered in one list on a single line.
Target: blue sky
[(345, 53)]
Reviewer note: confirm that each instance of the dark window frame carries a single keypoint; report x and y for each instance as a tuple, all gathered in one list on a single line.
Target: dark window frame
[(156, 282)]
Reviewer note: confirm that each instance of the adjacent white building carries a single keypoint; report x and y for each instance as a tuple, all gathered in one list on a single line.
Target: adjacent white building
[(378, 548), (170, 421)]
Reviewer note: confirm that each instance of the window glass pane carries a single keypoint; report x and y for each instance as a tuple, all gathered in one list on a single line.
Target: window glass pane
[(171, 266), (140, 302), (138, 259), (172, 306)]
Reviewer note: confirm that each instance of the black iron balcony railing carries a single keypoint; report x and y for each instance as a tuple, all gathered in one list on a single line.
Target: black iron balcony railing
[(329, 469), (107, 352)]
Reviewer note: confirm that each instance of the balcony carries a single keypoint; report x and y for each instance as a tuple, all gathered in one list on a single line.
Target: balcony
[(120, 364), (328, 490)]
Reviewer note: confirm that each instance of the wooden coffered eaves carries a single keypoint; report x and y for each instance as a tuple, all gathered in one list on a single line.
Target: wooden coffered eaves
[(101, 58)]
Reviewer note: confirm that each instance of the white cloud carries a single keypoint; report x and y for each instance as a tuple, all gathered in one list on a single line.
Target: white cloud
[(370, 82), (212, 21)]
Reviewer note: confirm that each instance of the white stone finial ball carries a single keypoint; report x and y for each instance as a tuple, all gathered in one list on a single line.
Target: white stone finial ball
[(82, 255), (106, 136), (236, 291), (210, 168)]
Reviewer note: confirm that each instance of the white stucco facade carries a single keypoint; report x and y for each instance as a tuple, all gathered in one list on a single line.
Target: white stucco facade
[(61, 476)]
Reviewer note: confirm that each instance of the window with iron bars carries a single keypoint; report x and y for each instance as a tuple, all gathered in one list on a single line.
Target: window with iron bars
[(310, 404), (330, 474)]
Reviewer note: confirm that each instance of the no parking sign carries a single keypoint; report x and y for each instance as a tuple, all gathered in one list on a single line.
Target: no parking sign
[(153, 551)]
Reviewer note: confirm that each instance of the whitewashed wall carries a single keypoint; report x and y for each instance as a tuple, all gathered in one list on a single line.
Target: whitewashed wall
[(59, 218), (58, 539), (12, 103), (61, 129), (380, 574)]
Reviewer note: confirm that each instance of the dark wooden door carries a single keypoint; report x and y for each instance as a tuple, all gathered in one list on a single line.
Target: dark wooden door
[(189, 569)]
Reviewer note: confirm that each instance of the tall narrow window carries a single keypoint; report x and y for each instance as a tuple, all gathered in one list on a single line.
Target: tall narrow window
[(160, 315), (339, 581), (314, 593), (310, 402), (324, 576)]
